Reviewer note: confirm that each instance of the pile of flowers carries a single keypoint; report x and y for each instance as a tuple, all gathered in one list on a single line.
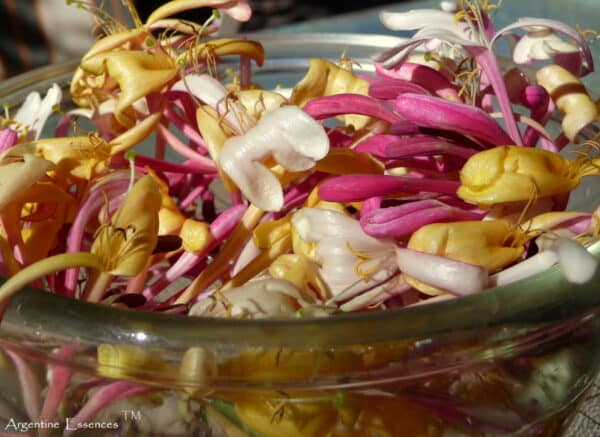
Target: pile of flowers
[(432, 179)]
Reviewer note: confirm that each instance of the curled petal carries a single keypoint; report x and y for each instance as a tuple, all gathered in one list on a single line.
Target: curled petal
[(571, 98), (436, 113), (554, 25), (238, 10), (225, 47), (540, 44), (491, 244), (289, 136)]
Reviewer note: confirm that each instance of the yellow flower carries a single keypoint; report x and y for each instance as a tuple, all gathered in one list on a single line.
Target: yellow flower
[(512, 174), (492, 244), (327, 79), (125, 244)]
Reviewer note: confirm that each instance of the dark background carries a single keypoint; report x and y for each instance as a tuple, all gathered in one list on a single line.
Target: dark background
[(270, 13)]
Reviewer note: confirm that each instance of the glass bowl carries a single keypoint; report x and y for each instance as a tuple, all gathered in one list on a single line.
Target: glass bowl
[(515, 360)]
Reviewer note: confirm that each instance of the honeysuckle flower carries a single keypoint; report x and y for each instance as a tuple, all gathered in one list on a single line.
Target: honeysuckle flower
[(511, 173), (491, 244), (571, 98), (289, 136), (85, 156), (350, 261), (540, 44), (327, 79), (257, 299), (122, 246)]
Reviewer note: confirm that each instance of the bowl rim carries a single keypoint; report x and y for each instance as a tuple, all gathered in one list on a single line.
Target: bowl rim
[(552, 297)]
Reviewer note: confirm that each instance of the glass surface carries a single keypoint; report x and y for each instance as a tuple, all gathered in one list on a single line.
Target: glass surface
[(514, 360)]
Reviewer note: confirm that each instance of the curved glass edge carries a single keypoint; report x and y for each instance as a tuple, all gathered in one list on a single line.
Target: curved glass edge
[(543, 298), (546, 297)]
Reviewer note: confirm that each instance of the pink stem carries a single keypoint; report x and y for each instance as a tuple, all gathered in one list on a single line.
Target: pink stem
[(487, 60), (401, 221), (89, 208), (425, 145), (220, 230), (61, 376), (181, 148), (102, 398), (192, 196), (8, 138), (331, 106), (187, 129), (356, 188), (30, 387)]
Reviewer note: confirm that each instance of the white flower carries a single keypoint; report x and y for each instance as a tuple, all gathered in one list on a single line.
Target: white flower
[(288, 135), (34, 112), (350, 260), (539, 44)]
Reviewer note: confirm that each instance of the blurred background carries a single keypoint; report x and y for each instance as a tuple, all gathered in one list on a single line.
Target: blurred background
[(34, 33)]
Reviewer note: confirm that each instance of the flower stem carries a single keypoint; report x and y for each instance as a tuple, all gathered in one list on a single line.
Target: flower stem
[(96, 286), (46, 266)]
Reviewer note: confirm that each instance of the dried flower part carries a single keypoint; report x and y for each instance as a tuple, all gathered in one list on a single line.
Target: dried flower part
[(571, 98), (126, 242), (327, 79), (511, 174)]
